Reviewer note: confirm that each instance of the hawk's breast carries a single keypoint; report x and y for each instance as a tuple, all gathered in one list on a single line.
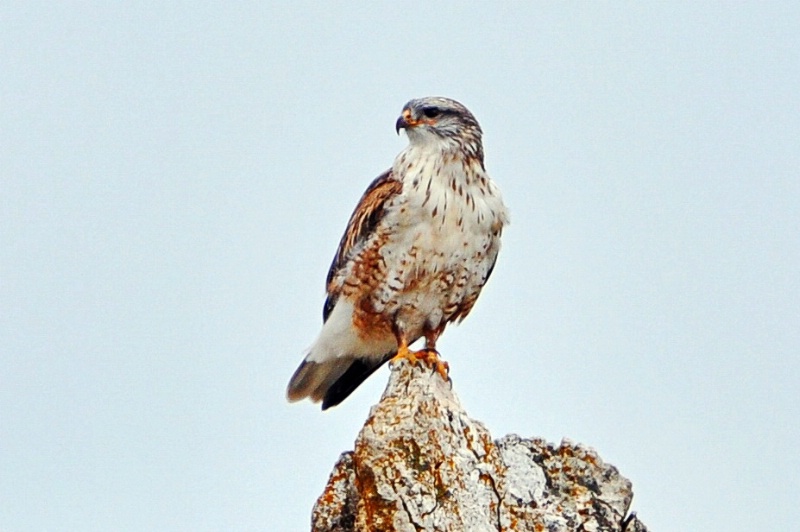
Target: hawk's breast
[(442, 238)]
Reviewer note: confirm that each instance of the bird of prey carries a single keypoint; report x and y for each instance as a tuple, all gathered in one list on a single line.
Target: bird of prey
[(417, 251)]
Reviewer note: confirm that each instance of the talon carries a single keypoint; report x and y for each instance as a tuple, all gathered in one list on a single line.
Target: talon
[(431, 357), (443, 369)]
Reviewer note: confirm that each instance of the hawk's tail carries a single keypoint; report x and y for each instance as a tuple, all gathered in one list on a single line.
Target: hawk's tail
[(331, 381)]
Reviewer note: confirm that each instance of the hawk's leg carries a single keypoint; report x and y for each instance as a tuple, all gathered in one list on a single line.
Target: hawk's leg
[(431, 356)]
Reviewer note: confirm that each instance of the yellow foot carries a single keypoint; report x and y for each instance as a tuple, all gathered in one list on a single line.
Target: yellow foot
[(429, 356), (404, 353)]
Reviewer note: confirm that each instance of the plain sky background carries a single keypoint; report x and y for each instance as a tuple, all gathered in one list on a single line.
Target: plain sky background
[(174, 181)]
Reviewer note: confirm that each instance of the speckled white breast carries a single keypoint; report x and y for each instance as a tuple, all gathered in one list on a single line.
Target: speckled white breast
[(445, 236)]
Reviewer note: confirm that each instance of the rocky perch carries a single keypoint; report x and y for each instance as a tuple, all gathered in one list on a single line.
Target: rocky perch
[(420, 463)]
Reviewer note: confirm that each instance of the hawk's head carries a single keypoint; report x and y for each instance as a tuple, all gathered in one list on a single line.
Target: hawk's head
[(440, 120)]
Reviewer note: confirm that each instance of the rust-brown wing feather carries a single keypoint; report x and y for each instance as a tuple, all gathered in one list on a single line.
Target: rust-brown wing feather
[(362, 223)]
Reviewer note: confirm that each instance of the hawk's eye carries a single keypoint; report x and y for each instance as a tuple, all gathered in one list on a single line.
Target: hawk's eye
[(431, 112)]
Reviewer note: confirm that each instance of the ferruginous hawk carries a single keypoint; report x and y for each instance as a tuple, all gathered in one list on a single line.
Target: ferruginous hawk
[(416, 253)]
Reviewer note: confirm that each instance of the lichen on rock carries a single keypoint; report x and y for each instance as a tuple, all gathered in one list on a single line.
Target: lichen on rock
[(420, 463)]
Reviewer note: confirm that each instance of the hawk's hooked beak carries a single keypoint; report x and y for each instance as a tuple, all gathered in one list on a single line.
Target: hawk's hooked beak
[(405, 121), (400, 124)]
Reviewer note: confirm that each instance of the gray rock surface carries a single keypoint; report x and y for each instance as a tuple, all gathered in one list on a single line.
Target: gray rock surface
[(420, 463)]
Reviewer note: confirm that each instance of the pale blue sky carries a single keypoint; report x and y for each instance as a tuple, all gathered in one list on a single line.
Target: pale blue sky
[(174, 181)]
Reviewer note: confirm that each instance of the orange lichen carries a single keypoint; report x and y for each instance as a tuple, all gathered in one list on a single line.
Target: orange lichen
[(420, 459)]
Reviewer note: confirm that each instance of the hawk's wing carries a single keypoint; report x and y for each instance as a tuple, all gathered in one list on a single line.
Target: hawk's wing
[(362, 223)]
